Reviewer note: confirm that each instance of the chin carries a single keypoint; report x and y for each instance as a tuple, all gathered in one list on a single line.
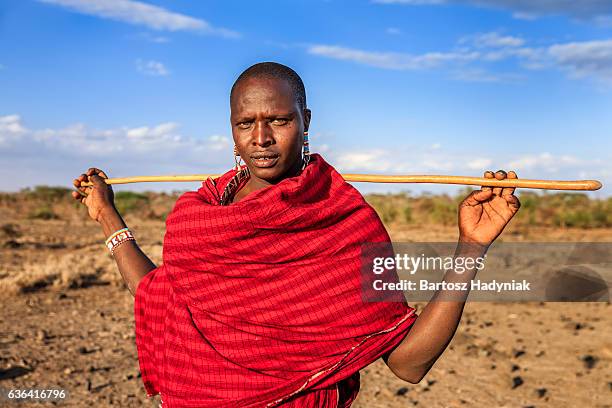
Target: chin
[(268, 174)]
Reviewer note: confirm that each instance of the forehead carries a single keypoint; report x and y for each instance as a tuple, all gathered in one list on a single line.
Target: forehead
[(262, 93)]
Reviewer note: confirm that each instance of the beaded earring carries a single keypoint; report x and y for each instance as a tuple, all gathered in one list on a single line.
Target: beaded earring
[(306, 150), (237, 159)]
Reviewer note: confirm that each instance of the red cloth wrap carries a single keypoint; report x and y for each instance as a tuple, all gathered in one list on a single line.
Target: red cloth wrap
[(259, 303)]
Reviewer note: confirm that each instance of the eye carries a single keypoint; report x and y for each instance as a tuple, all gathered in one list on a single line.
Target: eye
[(244, 125), (280, 121)]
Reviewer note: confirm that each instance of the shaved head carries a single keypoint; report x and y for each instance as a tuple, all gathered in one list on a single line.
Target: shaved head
[(276, 71)]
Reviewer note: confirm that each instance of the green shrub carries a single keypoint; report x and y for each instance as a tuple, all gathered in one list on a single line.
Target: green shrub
[(47, 193), (43, 213), (129, 201)]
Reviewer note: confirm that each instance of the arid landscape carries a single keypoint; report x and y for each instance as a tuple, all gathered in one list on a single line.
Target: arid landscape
[(67, 320)]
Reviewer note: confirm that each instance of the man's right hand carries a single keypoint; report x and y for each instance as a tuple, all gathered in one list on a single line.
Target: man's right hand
[(100, 198)]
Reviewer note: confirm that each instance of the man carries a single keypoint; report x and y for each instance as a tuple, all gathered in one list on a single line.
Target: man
[(258, 299)]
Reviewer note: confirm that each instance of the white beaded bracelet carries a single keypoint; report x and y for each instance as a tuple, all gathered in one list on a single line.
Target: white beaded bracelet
[(118, 238)]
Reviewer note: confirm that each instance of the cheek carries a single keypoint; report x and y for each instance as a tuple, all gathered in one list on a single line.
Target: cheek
[(291, 142), (240, 138)]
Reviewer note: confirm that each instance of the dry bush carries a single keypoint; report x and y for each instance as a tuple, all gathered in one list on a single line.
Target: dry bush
[(69, 271), (72, 270)]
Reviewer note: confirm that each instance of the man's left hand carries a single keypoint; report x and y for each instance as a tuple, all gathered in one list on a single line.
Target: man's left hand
[(484, 213)]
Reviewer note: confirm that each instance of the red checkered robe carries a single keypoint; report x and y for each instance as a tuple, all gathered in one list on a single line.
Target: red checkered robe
[(259, 303)]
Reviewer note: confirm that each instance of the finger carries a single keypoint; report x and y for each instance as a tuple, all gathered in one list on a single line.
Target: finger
[(96, 180), (489, 175), (509, 190), (77, 181), (80, 192), (82, 178), (102, 174), (477, 197), (499, 175), (513, 202)]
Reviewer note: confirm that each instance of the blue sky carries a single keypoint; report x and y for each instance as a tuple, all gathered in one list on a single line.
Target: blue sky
[(395, 86)]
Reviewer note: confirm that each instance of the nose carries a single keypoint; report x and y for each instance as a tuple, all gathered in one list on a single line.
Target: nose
[(262, 134)]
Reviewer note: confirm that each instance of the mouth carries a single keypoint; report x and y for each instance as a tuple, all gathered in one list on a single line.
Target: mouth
[(264, 159)]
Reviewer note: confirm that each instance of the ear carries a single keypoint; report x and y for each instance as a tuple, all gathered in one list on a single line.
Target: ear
[(307, 116)]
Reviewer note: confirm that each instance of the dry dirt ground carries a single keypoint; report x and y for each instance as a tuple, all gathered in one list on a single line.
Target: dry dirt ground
[(67, 322)]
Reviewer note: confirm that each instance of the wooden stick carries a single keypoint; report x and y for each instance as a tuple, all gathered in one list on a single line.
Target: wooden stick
[(585, 185)]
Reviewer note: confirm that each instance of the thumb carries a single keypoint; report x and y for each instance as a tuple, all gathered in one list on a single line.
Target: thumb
[(477, 197)]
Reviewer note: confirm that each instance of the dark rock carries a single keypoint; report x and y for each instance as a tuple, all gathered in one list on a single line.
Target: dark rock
[(515, 367), (14, 372), (589, 361), (402, 391), (517, 382), (99, 387), (85, 350), (519, 353), (94, 369), (12, 244), (541, 392)]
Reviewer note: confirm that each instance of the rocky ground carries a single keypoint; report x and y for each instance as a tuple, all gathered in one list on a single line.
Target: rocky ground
[(67, 322)]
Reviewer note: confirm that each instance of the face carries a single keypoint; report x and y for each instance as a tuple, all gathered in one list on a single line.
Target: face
[(268, 128)]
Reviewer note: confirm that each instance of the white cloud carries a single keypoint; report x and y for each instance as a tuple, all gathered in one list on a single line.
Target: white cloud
[(482, 75), (393, 31), (528, 9), (140, 13), (11, 129), (146, 133), (479, 163), (372, 160), (219, 143), (581, 59), (422, 160), (153, 68), (391, 60), (11, 124), (66, 152), (587, 59), (493, 39), (544, 161)]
